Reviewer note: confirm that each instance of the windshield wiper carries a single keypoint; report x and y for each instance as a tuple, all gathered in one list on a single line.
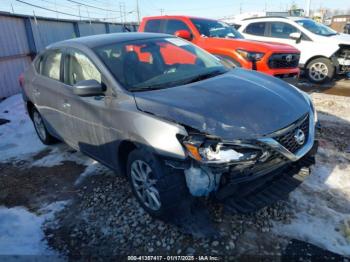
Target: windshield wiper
[(147, 88), (154, 87), (179, 82), (203, 76)]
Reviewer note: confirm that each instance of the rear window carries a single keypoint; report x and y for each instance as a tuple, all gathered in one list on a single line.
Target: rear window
[(153, 26), (256, 28)]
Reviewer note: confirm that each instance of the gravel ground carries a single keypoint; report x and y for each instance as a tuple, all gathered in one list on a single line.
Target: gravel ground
[(103, 219)]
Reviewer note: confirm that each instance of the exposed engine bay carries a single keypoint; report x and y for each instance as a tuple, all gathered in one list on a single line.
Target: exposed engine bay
[(343, 58)]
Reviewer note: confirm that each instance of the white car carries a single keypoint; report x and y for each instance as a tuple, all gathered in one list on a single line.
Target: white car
[(324, 52)]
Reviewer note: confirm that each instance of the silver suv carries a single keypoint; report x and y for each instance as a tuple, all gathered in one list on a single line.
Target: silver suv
[(167, 114)]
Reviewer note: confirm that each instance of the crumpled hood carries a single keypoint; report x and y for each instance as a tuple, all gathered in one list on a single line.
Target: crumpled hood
[(341, 39), (240, 104)]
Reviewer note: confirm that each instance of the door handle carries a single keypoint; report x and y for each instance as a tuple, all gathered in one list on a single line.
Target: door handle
[(36, 92)]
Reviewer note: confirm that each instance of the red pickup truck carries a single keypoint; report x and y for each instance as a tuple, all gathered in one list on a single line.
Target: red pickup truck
[(229, 45)]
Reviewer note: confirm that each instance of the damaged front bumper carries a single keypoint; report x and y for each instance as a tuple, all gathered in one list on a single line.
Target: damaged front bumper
[(252, 196), (277, 151), (249, 191), (342, 59)]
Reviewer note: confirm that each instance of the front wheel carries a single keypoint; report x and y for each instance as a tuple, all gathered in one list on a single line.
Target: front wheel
[(320, 70), (157, 189)]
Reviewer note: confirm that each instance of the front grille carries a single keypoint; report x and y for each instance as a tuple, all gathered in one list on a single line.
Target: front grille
[(284, 60), (287, 139)]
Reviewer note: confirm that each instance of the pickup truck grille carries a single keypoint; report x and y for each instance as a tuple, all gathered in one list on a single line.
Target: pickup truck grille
[(288, 140), (284, 60)]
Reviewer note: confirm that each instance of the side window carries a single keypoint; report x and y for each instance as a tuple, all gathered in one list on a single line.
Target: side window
[(51, 65), (282, 30), (78, 67), (153, 26), (174, 25), (256, 29)]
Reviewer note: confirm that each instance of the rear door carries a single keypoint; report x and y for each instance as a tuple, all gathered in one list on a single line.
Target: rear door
[(48, 91)]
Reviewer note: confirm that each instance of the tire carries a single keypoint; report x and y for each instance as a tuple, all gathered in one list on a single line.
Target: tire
[(228, 62), (40, 128), (320, 70), (166, 184)]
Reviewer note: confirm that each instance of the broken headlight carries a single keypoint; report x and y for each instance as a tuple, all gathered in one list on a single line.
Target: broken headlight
[(213, 151)]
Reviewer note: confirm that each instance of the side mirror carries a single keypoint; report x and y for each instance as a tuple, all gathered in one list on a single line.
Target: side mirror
[(184, 34), (88, 88), (295, 36)]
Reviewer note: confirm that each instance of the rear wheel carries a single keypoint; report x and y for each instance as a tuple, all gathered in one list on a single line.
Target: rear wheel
[(320, 70), (41, 129), (157, 189)]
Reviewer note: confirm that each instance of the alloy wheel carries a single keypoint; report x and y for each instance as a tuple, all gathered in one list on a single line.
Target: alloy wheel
[(318, 71), (39, 125), (144, 184)]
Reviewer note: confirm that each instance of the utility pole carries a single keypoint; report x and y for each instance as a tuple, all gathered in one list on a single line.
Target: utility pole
[(138, 11), (240, 8), (124, 13), (79, 12), (13, 11), (87, 11), (56, 9), (308, 4), (121, 12), (161, 11)]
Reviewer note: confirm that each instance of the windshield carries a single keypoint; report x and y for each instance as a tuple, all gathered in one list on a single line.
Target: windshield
[(213, 28), (316, 28), (158, 63)]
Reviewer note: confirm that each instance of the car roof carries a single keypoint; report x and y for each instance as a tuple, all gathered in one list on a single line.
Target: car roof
[(176, 17), (105, 39), (275, 18)]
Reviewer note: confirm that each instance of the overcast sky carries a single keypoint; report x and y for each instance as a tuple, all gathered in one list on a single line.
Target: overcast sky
[(203, 8)]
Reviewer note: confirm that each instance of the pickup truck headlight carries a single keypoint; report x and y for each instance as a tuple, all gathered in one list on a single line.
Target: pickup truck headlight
[(250, 56), (211, 151)]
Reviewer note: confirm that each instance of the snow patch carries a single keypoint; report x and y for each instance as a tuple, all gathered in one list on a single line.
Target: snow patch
[(322, 208), (93, 168), (21, 231), (17, 138), (61, 153)]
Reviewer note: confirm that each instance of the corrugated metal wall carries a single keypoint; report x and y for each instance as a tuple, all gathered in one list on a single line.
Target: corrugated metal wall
[(13, 40), (86, 29), (9, 72), (114, 28), (22, 37), (48, 32), (13, 54)]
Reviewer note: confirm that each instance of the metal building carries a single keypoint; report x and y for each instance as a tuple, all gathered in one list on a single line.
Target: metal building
[(22, 37)]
